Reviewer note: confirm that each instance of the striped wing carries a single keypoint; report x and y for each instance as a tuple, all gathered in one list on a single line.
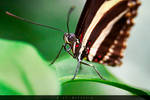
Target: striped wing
[(103, 29)]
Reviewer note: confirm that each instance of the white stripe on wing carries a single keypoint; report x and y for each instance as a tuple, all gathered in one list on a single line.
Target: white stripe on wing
[(106, 6), (102, 36)]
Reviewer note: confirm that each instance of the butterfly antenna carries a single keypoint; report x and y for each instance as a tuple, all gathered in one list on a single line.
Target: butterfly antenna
[(68, 16), (29, 21)]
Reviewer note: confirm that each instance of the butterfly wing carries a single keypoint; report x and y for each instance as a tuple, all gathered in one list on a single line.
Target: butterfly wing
[(103, 29), (87, 15), (118, 37)]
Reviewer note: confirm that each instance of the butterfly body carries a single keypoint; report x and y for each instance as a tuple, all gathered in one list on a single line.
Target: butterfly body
[(103, 29), (74, 44)]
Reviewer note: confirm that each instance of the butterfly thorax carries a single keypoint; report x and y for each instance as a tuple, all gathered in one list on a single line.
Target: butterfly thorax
[(73, 42), (70, 38)]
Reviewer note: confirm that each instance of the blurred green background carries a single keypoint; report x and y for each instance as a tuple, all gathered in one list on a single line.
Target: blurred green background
[(136, 65)]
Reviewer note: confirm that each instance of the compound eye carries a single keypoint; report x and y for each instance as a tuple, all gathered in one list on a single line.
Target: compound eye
[(72, 37)]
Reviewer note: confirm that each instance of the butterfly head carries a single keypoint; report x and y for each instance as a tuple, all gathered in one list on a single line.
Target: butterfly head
[(70, 38)]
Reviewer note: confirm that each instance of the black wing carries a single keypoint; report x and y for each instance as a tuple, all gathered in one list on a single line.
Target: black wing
[(103, 32)]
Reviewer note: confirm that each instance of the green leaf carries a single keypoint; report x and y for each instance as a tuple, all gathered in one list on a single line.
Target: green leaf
[(23, 71), (65, 68), (6, 90), (130, 89)]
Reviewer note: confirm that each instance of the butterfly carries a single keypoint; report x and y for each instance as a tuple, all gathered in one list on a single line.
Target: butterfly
[(101, 32)]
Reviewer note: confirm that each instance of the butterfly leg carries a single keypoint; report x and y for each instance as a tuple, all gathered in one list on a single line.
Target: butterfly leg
[(68, 51), (94, 69), (77, 69), (58, 54)]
